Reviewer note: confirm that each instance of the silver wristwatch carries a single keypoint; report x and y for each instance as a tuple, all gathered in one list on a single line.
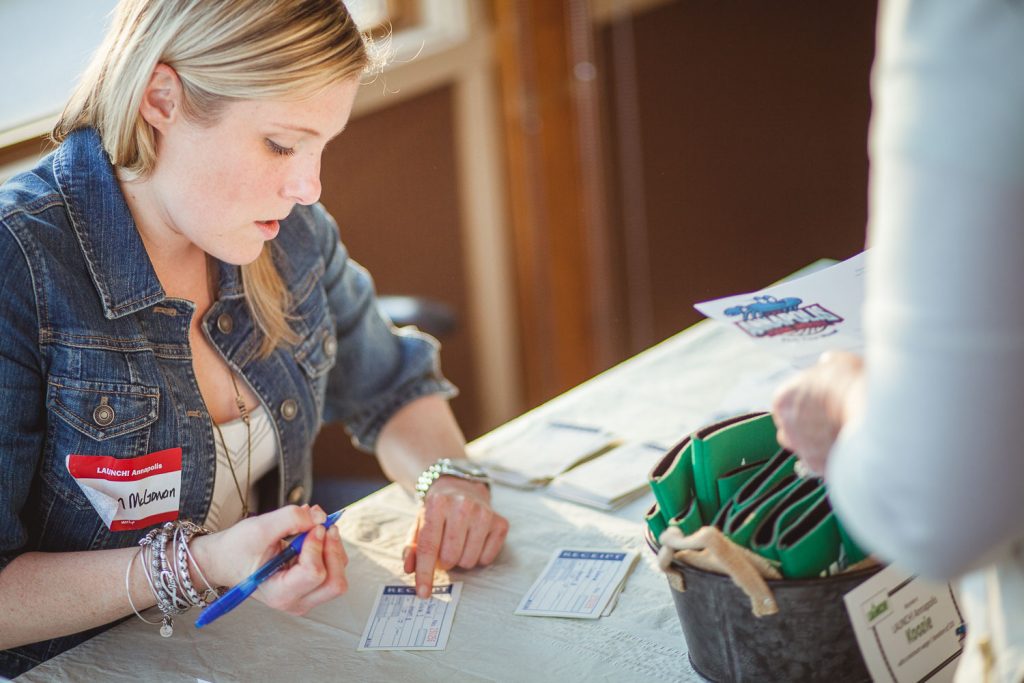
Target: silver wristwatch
[(450, 467)]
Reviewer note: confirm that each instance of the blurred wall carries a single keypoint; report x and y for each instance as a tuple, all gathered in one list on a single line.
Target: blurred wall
[(726, 149), (751, 119), (730, 140)]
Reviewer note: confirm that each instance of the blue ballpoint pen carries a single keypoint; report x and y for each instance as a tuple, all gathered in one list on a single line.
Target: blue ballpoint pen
[(234, 597)]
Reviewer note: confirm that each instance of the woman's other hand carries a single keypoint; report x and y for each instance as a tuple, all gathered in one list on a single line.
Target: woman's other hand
[(455, 527), (811, 408), (315, 577)]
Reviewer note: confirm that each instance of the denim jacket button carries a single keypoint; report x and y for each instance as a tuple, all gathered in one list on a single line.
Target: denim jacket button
[(296, 494), (225, 324), (289, 409), (330, 346), (103, 415)]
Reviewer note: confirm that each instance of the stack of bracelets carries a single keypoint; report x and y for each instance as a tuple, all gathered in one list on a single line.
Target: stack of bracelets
[(170, 578)]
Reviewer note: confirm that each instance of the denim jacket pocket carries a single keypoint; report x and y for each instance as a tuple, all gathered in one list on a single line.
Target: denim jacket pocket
[(102, 410), (316, 356), (316, 353), (94, 418)]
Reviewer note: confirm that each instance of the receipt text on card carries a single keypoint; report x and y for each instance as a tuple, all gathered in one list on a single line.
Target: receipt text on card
[(401, 621), (577, 583)]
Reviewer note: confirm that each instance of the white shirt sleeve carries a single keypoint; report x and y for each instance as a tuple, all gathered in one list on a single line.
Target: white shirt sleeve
[(932, 475)]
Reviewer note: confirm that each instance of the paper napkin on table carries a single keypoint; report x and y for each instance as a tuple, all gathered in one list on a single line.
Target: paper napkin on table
[(610, 480), (540, 452)]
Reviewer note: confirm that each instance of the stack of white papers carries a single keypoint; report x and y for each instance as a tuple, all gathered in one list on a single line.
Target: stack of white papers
[(580, 584), (611, 479), (534, 456)]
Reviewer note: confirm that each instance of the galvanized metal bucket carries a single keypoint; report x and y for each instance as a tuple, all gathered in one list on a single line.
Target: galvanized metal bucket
[(809, 639)]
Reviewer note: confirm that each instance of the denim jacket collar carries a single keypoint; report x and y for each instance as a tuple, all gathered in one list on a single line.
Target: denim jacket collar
[(118, 263)]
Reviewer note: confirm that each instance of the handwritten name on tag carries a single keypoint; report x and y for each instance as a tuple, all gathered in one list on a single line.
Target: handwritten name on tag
[(130, 493)]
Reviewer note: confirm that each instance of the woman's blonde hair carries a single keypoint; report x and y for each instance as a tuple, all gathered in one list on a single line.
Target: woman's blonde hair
[(222, 50)]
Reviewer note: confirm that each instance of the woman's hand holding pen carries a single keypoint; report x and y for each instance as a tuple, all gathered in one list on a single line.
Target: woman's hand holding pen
[(316, 576), (810, 409), (455, 527)]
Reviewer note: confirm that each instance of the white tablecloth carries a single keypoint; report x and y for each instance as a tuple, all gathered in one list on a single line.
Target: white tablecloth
[(660, 394)]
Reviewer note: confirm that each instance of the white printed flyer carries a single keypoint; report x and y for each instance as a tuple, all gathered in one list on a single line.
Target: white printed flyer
[(803, 317)]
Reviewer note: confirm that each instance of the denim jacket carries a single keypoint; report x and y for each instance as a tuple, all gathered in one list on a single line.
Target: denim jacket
[(85, 321)]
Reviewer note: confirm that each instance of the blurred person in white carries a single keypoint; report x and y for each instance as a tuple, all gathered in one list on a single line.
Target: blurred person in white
[(920, 441)]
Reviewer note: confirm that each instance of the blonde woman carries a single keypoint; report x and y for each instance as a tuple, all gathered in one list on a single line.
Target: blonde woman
[(179, 318)]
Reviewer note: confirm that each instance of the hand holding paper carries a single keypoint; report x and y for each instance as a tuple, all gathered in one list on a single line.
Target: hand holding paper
[(811, 408)]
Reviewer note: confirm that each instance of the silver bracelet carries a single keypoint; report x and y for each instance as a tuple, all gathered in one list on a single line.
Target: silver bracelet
[(163, 601), (180, 568), (211, 593), (183, 535), (161, 577), (128, 587), (168, 582), (170, 579), (151, 564), (144, 563)]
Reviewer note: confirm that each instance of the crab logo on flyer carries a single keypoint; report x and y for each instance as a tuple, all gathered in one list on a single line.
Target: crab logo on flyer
[(767, 316)]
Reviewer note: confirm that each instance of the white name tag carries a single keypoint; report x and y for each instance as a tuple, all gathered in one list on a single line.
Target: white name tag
[(130, 493)]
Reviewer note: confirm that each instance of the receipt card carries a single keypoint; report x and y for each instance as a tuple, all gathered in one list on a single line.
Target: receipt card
[(578, 583), (401, 621)]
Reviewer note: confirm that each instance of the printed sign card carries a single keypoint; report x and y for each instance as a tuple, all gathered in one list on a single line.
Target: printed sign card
[(908, 629)]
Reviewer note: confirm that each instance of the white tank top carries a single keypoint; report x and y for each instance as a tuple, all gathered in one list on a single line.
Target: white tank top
[(226, 506)]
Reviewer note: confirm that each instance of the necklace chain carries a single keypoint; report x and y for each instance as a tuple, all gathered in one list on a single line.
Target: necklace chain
[(243, 411)]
